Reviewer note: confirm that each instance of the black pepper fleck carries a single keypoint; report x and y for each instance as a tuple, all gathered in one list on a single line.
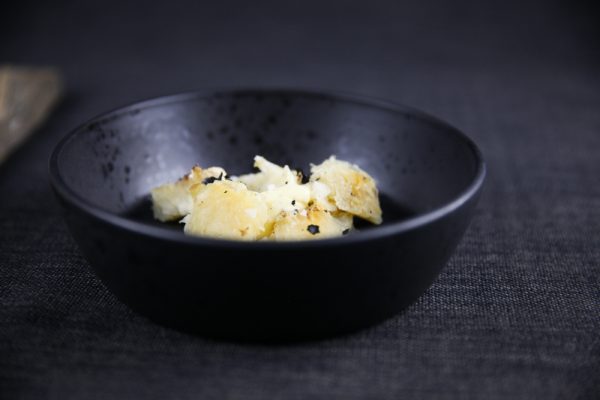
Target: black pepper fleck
[(211, 179), (345, 231), (314, 229), (293, 202)]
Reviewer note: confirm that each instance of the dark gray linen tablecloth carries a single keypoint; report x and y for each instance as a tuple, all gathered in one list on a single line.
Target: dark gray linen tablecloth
[(516, 312)]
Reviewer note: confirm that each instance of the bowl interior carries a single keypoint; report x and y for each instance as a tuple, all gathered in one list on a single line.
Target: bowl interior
[(114, 161)]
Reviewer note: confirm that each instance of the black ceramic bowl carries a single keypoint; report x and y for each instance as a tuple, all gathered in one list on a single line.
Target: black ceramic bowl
[(429, 174)]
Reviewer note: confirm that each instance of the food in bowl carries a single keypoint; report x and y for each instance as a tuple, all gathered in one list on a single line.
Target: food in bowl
[(275, 203)]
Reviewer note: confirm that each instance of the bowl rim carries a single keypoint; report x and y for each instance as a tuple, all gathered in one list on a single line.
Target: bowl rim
[(387, 230)]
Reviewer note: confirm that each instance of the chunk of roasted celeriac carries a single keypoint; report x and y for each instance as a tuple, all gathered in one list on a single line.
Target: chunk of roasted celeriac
[(352, 189), (173, 201), (228, 210), (271, 176), (286, 198), (280, 187), (311, 223)]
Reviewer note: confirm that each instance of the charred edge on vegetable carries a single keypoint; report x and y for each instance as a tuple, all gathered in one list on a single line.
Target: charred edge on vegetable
[(211, 179), (314, 229), (345, 231)]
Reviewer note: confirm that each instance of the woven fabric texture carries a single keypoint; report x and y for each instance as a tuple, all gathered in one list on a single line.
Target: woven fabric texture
[(514, 315)]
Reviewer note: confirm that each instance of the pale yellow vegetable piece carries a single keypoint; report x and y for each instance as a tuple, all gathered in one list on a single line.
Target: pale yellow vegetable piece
[(352, 189), (321, 195), (173, 201), (311, 223), (227, 210), (271, 176), (286, 198)]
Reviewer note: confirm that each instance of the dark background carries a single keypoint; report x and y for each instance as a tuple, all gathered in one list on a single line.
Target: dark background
[(516, 312)]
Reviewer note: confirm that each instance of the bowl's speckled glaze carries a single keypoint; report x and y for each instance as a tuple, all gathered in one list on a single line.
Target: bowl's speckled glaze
[(429, 174)]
